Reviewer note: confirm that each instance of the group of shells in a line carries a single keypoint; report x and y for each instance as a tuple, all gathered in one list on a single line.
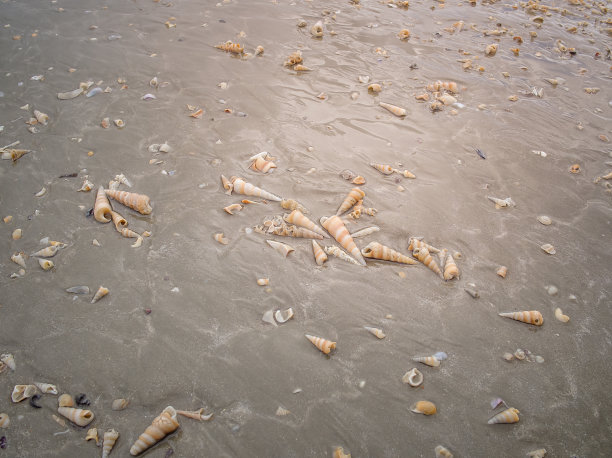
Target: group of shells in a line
[(41, 255)]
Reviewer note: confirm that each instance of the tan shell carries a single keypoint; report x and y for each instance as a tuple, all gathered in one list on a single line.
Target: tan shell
[(47, 252), (227, 185), (21, 392), (139, 202), (416, 244), (5, 421), (46, 388), (164, 424), (404, 34), (354, 196), (322, 344), (397, 111), (375, 250), (228, 46), (262, 165), (79, 417), (242, 187), (430, 361), (507, 416), (424, 407), (424, 256), (65, 400), (297, 217), (233, 208), (18, 258), (102, 208), (319, 254), (110, 437), (443, 452), (338, 231), (195, 414), (450, 268), (530, 317), (340, 254), (375, 88), (290, 204), (118, 220), (120, 404), (41, 117), (450, 86), (560, 316), (339, 453), (502, 271), (219, 237), (375, 332), (490, 50), (102, 291), (282, 248)]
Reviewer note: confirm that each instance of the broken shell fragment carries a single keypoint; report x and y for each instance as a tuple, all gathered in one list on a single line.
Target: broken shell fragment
[(233, 208), (281, 411), (70, 94), (540, 453), (530, 317), (339, 453), (278, 315), (102, 291), (326, 346), (404, 34), (374, 88), (507, 416), (46, 264), (164, 424), (317, 30), (413, 377), (9, 360), (21, 392), (65, 400), (195, 414), (424, 407), (263, 281), (46, 388), (221, 238), (282, 248), (560, 316), (502, 271), (79, 417), (110, 437), (17, 233), (443, 452), (119, 404), (575, 168), (490, 50), (397, 111), (548, 248), (376, 332), (119, 123)]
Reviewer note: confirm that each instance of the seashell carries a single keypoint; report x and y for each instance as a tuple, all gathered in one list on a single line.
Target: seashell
[(322, 344), (297, 217), (45, 264), (163, 148), (294, 58), (242, 187), (154, 82), (404, 34), (228, 46), (471, 290), (221, 238), (354, 196), (575, 168), (424, 407), (102, 291), (9, 360), (384, 169), (397, 111), (94, 91), (336, 228), (21, 392), (530, 317), (268, 317), (490, 50), (348, 174), (118, 220), (119, 123), (105, 123), (375, 331), (508, 356), (294, 231), (195, 414), (259, 50), (119, 404), (263, 281), (13, 154), (416, 244), (501, 203), (79, 417), (358, 180), (424, 256), (319, 254), (365, 231), (102, 208), (41, 193), (317, 30), (339, 453), (164, 424), (413, 377), (65, 400), (435, 106), (375, 88), (301, 68), (443, 452), (41, 117), (290, 204), (507, 416), (197, 114), (549, 248), (377, 251), (86, 187), (278, 315), (282, 248), (545, 220), (139, 202), (430, 361), (560, 316), (233, 208), (447, 99), (92, 434), (540, 453), (17, 233), (450, 268), (5, 421), (227, 185), (443, 85), (18, 258), (422, 97), (129, 233), (47, 252), (519, 354), (281, 411), (110, 437), (552, 290), (337, 252), (70, 94), (502, 271)]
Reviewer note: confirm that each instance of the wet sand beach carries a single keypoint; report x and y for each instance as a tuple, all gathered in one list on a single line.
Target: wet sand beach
[(182, 324)]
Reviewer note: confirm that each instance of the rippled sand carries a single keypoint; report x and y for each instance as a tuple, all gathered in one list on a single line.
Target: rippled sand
[(204, 344)]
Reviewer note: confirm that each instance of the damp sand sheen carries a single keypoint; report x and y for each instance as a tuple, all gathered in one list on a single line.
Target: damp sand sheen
[(341, 228)]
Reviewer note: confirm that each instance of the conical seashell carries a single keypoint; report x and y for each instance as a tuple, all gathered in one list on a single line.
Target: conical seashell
[(382, 168), (281, 411), (365, 231), (5, 421), (502, 271), (424, 256), (138, 202), (450, 268), (195, 414), (443, 452), (322, 344), (13, 154), (242, 187), (397, 111), (375, 250), (102, 291), (319, 254), (416, 244), (297, 217), (290, 204), (79, 417), (65, 400), (424, 407), (351, 199), (227, 185), (507, 416), (92, 434), (228, 46), (164, 424), (317, 29), (118, 220), (294, 231), (21, 392), (413, 377), (18, 258), (41, 117), (431, 361), (338, 231), (262, 165), (376, 332), (46, 264), (47, 252), (529, 317), (102, 208), (119, 404), (446, 85), (282, 248), (9, 360), (69, 95), (128, 233), (110, 437), (340, 254)]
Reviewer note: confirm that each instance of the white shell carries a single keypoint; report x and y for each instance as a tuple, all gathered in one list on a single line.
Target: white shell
[(560, 316), (119, 404), (282, 248), (545, 220), (268, 317), (9, 360), (5, 421), (279, 315), (18, 258), (46, 388), (375, 331), (443, 452), (548, 248), (413, 377), (21, 392), (365, 231)]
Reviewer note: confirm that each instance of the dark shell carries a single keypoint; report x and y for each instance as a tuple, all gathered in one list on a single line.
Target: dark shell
[(33, 401), (81, 400)]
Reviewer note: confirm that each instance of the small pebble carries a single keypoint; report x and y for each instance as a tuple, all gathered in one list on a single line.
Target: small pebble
[(147, 311)]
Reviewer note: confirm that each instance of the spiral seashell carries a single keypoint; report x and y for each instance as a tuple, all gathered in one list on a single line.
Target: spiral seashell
[(138, 202), (79, 417), (375, 250), (294, 231), (297, 217), (41, 117), (406, 173), (164, 424), (443, 452), (102, 291), (507, 416), (46, 388), (530, 317), (430, 361), (397, 111), (382, 168), (443, 85), (424, 256), (5, 421), (365, 231), (450, 268), (47, 252), (86, 187), (290, 204), (322, 344), (424, 407), (118, 220), (416, 244), (128, 233), (319, 254), (262, 165), (45, 264), (228, 46), (354, 196), (317, 29), (92, 435), (282, 248), (21, 392), (375, 331), (18, 258), (195, 414), (65, 400), (413, 377), (102, 208), (338, 231), (110, 437), (242, 187)]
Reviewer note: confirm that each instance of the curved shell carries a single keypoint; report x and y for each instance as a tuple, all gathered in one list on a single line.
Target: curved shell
[(9, 360), (375, 332), (336, 228), (404, 34), (102, 291), (397, 111), (79, 417), (47, 252), (262, 165), (233, 208), (340, 254), (382, 168), (450, 268), (431, 361), (375, 250), (138, 202), (319, 254), (443, 452), (354, 196), (41, 117), (424, 407), (502, 271), (18, 258), (413, 377), (195, 414), (297, 217), (560, 316), (92, 435), (21, 392), (548, 248), (507, 416), (46, 388), (119, 404), (530, 317), (164, 424), (219, 237), (278, 315), (424, 256), (322, 344), (118, 220), (282, 248), (102, 208), (416, 244), (289, 230), (242, 187), (227, 185), (375, 88), (110, 437), (228, 46), (5, 421)]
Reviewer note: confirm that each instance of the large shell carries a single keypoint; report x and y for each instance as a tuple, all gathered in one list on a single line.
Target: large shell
[(322, 344), (450, 268), (375, 250), (110, 437), (138, 202), (413, 377), (382, 168), (424, 256), (424, 407), (102, 207), (319, 254), (416, 244), (242, 187), (336, 228), (46, 388), (529, 317), (5, 421), (164, 424), (351, 199), (340, 254), (507, 416), (443, 452), (102, 291), (397, 111), (79, 417), (431, 361), (21, 392), (297, 217), (47, 252), (282, 248)]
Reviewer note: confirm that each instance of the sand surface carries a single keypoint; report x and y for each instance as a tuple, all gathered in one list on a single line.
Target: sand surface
[(204, 344)]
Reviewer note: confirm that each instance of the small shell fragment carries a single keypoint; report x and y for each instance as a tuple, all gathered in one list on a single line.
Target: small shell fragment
[(545, 220), (263, 281), (490, 50), (575, 168), (540, 453), (502, 271), (219, 237), (413, 377), (17, 233), (560, 316), (119, 123), (443, 452), (9, 360), (281, 411), (547, 247), (278, 315), (119, 404), (21, 392), (92, 434), (5, 421)]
